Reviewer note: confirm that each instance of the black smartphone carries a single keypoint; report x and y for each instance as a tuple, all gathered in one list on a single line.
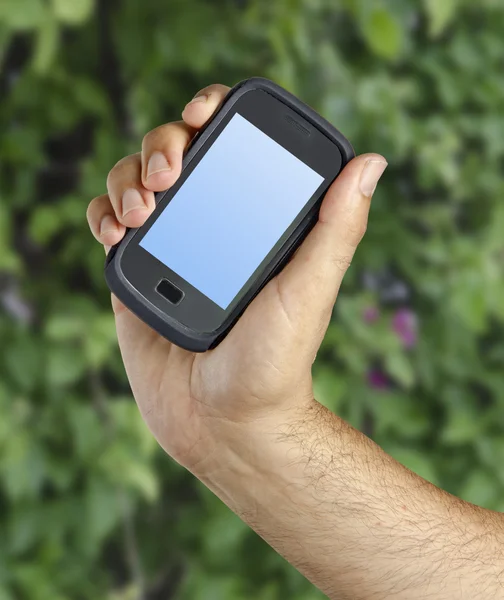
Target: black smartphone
[(250, 190)]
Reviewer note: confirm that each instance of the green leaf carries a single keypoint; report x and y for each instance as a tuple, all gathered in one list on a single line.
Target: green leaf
[(46, 45), (24, 528), (416, 461), (100, 340), (129, 592), (463, 426), (141, 477), (212, 586), (491, 452), (440, 13), (329, 388), (22, 14), (480, 488), (61, 472), (63, 327), (469, 303), (102, 505), (383, 33), (24, 362), (64, 365), (5, 594), (127, 425), (398, 414), (72, 12), (44, 223), (399, 366), (9, 260), (120, 465), (88, 431), (22, 468), (223, 536)]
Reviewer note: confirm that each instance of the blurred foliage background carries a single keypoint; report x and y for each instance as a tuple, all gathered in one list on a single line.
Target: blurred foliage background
[(90, 508)]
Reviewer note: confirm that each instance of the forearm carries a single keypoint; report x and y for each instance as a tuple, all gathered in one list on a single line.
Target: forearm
[(354, 521)]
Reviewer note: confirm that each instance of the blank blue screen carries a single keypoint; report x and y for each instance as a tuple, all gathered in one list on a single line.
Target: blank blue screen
[(231, 211)]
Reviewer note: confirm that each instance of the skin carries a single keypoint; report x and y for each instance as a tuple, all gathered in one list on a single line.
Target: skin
[(242, 418)]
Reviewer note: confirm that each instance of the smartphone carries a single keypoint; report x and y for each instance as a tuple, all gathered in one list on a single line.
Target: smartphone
[(250, 190)]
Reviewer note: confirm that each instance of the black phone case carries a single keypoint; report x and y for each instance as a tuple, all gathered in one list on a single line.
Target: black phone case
[(169, 327)]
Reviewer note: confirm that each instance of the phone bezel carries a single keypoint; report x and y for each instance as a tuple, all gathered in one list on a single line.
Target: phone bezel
[(196, 311)]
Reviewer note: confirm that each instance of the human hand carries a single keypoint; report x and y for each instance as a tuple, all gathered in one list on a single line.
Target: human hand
[(263, 366)]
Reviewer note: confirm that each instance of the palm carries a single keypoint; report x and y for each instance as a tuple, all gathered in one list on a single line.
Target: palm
[(179, 392)]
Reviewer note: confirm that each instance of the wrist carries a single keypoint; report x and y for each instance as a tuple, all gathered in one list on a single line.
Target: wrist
[(241, 453)]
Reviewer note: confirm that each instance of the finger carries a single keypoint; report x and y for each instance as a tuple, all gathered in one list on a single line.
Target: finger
[(311, 281), (162, 151), (197, 112), (103, 222), (131, 202)]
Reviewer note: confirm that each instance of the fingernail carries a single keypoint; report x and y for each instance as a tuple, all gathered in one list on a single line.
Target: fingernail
[(157, 163), (202, 98), (108, 225), (131, 200), (370, 176)]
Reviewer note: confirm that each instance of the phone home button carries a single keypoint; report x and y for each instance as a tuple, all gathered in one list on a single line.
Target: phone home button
[(169, 291)]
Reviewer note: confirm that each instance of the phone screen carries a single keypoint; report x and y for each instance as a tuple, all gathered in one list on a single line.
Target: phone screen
[(231, 211)]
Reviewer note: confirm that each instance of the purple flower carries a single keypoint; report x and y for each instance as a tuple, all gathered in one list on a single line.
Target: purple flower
[(377, 379), (371, 314), (405, 324)]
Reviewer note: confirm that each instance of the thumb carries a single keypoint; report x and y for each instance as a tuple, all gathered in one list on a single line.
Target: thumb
[(310, 282)]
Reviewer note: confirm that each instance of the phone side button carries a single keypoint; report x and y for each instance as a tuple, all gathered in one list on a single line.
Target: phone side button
[(169, 291)]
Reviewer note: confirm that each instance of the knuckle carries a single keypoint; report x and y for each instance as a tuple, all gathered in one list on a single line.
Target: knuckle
[(160, 134), (122, 167), (355, 230), (92, 207), (154, 134), (214, 88)]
